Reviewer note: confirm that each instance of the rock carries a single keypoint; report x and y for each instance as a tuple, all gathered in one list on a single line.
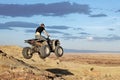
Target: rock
[(3, 54), (1, 51)]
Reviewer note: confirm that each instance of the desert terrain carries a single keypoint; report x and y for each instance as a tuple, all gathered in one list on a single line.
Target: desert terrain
[(72, 66)]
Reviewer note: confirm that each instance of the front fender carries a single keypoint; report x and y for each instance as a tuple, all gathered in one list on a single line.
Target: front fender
[(55, 43)]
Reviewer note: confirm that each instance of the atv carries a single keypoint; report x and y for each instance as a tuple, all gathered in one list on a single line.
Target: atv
[(43, 48)]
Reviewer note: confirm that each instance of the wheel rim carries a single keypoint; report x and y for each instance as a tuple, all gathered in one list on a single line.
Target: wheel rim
[(60, 51), (29, 52), (47, 50)]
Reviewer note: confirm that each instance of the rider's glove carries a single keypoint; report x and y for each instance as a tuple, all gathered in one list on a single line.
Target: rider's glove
[(48, 35)]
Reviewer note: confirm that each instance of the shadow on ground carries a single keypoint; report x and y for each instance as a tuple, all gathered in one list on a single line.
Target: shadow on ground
[(59, 72)]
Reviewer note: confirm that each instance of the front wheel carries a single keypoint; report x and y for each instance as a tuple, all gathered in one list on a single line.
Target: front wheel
[(59, 51), (27, 52)]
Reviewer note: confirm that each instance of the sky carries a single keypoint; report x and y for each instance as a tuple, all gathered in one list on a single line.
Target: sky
[(78, 24)]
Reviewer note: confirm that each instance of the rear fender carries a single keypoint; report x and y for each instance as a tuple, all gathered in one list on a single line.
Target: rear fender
[(31, 41)]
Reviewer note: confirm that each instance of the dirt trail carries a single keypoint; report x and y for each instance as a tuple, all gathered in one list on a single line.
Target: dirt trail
[(69, 67)]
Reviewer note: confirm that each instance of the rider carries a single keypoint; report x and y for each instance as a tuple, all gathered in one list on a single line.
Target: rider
[(38, 32)]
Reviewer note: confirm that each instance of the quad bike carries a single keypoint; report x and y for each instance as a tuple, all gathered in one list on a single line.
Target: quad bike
[(42, 47)]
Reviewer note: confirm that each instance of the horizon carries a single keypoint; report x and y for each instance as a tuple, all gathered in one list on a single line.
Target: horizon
[(79, 25)]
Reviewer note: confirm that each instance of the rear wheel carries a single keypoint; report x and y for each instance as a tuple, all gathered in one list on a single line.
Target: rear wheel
[(59, 51), (27, 52), (44, 51)]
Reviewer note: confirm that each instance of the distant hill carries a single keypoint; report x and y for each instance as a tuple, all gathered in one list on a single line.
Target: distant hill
[(88, 51)]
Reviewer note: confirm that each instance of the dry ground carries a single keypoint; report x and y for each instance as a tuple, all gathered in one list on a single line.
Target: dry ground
[(72, 66)]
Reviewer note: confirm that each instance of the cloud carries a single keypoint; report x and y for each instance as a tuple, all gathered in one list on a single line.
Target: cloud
[(30, 31), (81, 35), (67, 34), (58, 27), (98, 15), (49, 31), (118, 11), (8, 25), (54, 31), (111, 29), (84, 33), (52, 9), (90, 38), (71, 37), (78, 29), (110, 37)]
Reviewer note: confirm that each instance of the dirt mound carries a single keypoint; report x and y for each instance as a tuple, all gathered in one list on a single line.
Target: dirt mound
[(17, 69), (13, 68), (11, 50)]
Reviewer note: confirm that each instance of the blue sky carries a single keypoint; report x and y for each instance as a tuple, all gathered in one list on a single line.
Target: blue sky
[(78, 24)]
